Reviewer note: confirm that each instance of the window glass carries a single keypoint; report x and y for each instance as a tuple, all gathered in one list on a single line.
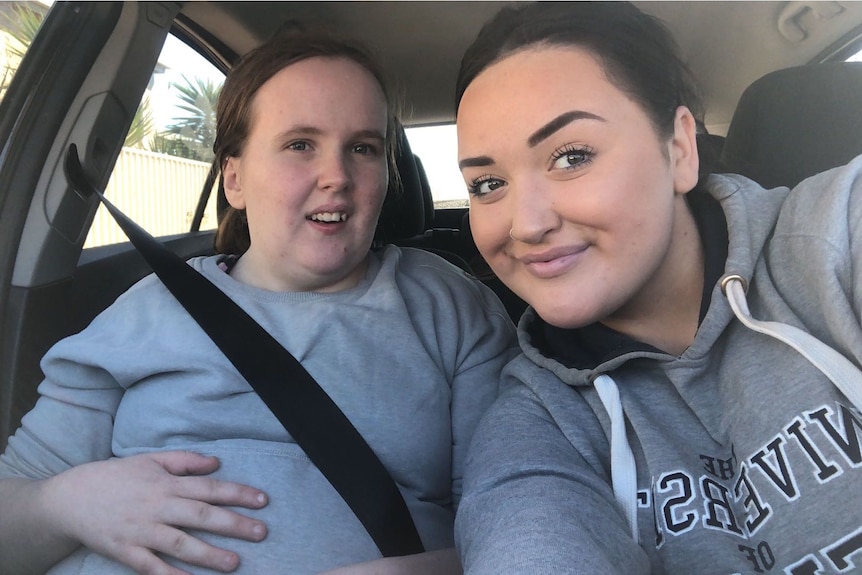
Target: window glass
[(19, 22), (437, 148), (160, 174)]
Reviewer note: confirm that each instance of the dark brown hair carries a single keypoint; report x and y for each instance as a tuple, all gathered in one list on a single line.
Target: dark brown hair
[(234, 111), (636, 50)]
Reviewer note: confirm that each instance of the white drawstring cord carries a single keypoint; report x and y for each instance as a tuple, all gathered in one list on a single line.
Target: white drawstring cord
[(843, 374), (623, 470)]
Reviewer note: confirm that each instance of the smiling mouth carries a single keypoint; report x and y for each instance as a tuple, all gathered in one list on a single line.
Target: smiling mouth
[(554, 263), (329, 217)]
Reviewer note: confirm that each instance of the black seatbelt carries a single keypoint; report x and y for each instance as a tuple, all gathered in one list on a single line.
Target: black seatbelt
[(314, 421)]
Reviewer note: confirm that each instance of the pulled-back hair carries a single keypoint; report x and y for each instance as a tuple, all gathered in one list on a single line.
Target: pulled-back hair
[(636, 51), (234, 112)]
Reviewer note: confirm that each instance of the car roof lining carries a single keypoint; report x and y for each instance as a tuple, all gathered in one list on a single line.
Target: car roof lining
[(413, 30)]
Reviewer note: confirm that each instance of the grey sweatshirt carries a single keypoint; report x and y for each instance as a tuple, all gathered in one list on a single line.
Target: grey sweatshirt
[(743, 457), (412, 355)]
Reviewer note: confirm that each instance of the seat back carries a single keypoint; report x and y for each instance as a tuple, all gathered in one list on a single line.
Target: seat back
[(403, 214), (796, 122)]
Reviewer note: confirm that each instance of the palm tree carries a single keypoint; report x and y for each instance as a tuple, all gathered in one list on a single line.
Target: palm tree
[(20, 22), (142, 124), (192, 134)]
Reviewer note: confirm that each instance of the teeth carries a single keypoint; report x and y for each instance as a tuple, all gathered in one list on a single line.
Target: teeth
[(329, 217)]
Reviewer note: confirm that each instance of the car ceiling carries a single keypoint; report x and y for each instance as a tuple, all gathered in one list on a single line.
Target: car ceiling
[(727, 44)]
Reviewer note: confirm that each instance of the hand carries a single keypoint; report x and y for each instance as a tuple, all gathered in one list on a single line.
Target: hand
[(128, 509)]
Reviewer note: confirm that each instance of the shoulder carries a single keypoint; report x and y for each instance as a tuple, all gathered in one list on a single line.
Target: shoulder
[(427, 275), (826, 203), (415, 261), (146, 305)]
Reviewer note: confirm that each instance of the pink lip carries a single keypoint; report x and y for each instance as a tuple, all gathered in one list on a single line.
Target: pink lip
[(554, 262)]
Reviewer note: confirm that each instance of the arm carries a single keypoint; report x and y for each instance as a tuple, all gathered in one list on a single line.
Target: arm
[(60, 486), (533, 504), (443, 562), (489, 343), (126, 509)]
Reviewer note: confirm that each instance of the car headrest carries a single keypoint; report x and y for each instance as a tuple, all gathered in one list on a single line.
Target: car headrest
[(403, 214), (796, 122)]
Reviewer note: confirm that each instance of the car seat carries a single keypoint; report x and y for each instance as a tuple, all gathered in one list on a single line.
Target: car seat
[(408, 213), (796, 122)]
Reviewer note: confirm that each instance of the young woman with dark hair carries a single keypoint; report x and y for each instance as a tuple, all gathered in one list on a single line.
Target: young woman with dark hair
[(650, 425)]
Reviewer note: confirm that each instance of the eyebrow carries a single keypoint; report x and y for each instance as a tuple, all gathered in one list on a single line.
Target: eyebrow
[(476, 162), (538, 136), (312, 131), (558, 124)]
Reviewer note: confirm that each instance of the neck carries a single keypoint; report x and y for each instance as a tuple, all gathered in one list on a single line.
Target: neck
[(261, 274), (665, 313)]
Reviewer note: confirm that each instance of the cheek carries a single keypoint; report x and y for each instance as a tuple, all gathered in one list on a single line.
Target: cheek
[(373, 182), (489, 233)]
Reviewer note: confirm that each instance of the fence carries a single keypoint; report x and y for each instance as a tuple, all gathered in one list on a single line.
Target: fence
[(158, 191)]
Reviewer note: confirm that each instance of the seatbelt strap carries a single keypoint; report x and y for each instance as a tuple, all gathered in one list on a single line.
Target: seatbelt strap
[(314, 421)]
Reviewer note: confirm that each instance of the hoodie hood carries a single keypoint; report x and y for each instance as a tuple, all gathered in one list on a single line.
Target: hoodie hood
[(750, 219)]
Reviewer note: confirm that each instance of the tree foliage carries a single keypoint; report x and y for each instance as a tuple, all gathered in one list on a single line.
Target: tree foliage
[(194, 130), (21, 22)]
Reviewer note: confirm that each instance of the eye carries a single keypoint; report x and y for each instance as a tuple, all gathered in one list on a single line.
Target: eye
[(484, 185), (298, 146), (364, 149), (571, 157)]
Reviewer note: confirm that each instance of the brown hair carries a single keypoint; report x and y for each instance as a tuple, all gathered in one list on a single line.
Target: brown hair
[(234, 111), (637, 51)]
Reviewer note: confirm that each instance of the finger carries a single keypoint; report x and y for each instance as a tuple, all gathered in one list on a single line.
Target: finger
[(192, 514), (145, 562), (217, 492), (180, 545), (185, 462)]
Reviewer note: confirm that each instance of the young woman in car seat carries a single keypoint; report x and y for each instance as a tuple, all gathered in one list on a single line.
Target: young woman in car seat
[(647, 427), (145, 439)]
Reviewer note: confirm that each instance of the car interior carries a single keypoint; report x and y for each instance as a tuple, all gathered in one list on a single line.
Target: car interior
[(781, 101)]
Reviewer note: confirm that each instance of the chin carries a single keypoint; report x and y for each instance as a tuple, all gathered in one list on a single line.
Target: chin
[(563, 313)]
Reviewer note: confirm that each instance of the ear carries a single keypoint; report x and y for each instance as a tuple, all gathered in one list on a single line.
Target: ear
[(233, 183), (683, 151)]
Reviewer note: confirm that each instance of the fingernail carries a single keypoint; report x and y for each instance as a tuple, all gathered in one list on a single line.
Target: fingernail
[(261, 498), (230, 562), (260, 530)]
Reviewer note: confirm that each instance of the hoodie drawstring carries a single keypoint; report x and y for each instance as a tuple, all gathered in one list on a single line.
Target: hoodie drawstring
[(843, 374), (840, 371), (623, 470)]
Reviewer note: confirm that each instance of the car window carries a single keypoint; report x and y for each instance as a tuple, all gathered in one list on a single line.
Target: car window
[(437, 148), (163, 166), (19, 22)]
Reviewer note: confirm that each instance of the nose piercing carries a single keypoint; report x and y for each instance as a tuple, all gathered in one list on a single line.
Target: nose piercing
[(512, 234)]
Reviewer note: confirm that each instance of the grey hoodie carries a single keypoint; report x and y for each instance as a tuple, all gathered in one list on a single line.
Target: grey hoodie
[(412, 356), (739, 456)]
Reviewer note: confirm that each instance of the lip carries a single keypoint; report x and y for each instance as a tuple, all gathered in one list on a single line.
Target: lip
[(554, 262)]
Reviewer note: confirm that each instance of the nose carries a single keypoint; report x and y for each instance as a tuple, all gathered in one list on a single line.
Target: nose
[(533, 213), (335, 173)]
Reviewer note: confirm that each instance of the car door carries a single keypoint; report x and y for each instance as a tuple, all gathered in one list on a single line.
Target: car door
[(81, 82)]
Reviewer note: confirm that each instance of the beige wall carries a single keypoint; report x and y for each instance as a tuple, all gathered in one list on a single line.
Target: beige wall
[(159, 192)]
